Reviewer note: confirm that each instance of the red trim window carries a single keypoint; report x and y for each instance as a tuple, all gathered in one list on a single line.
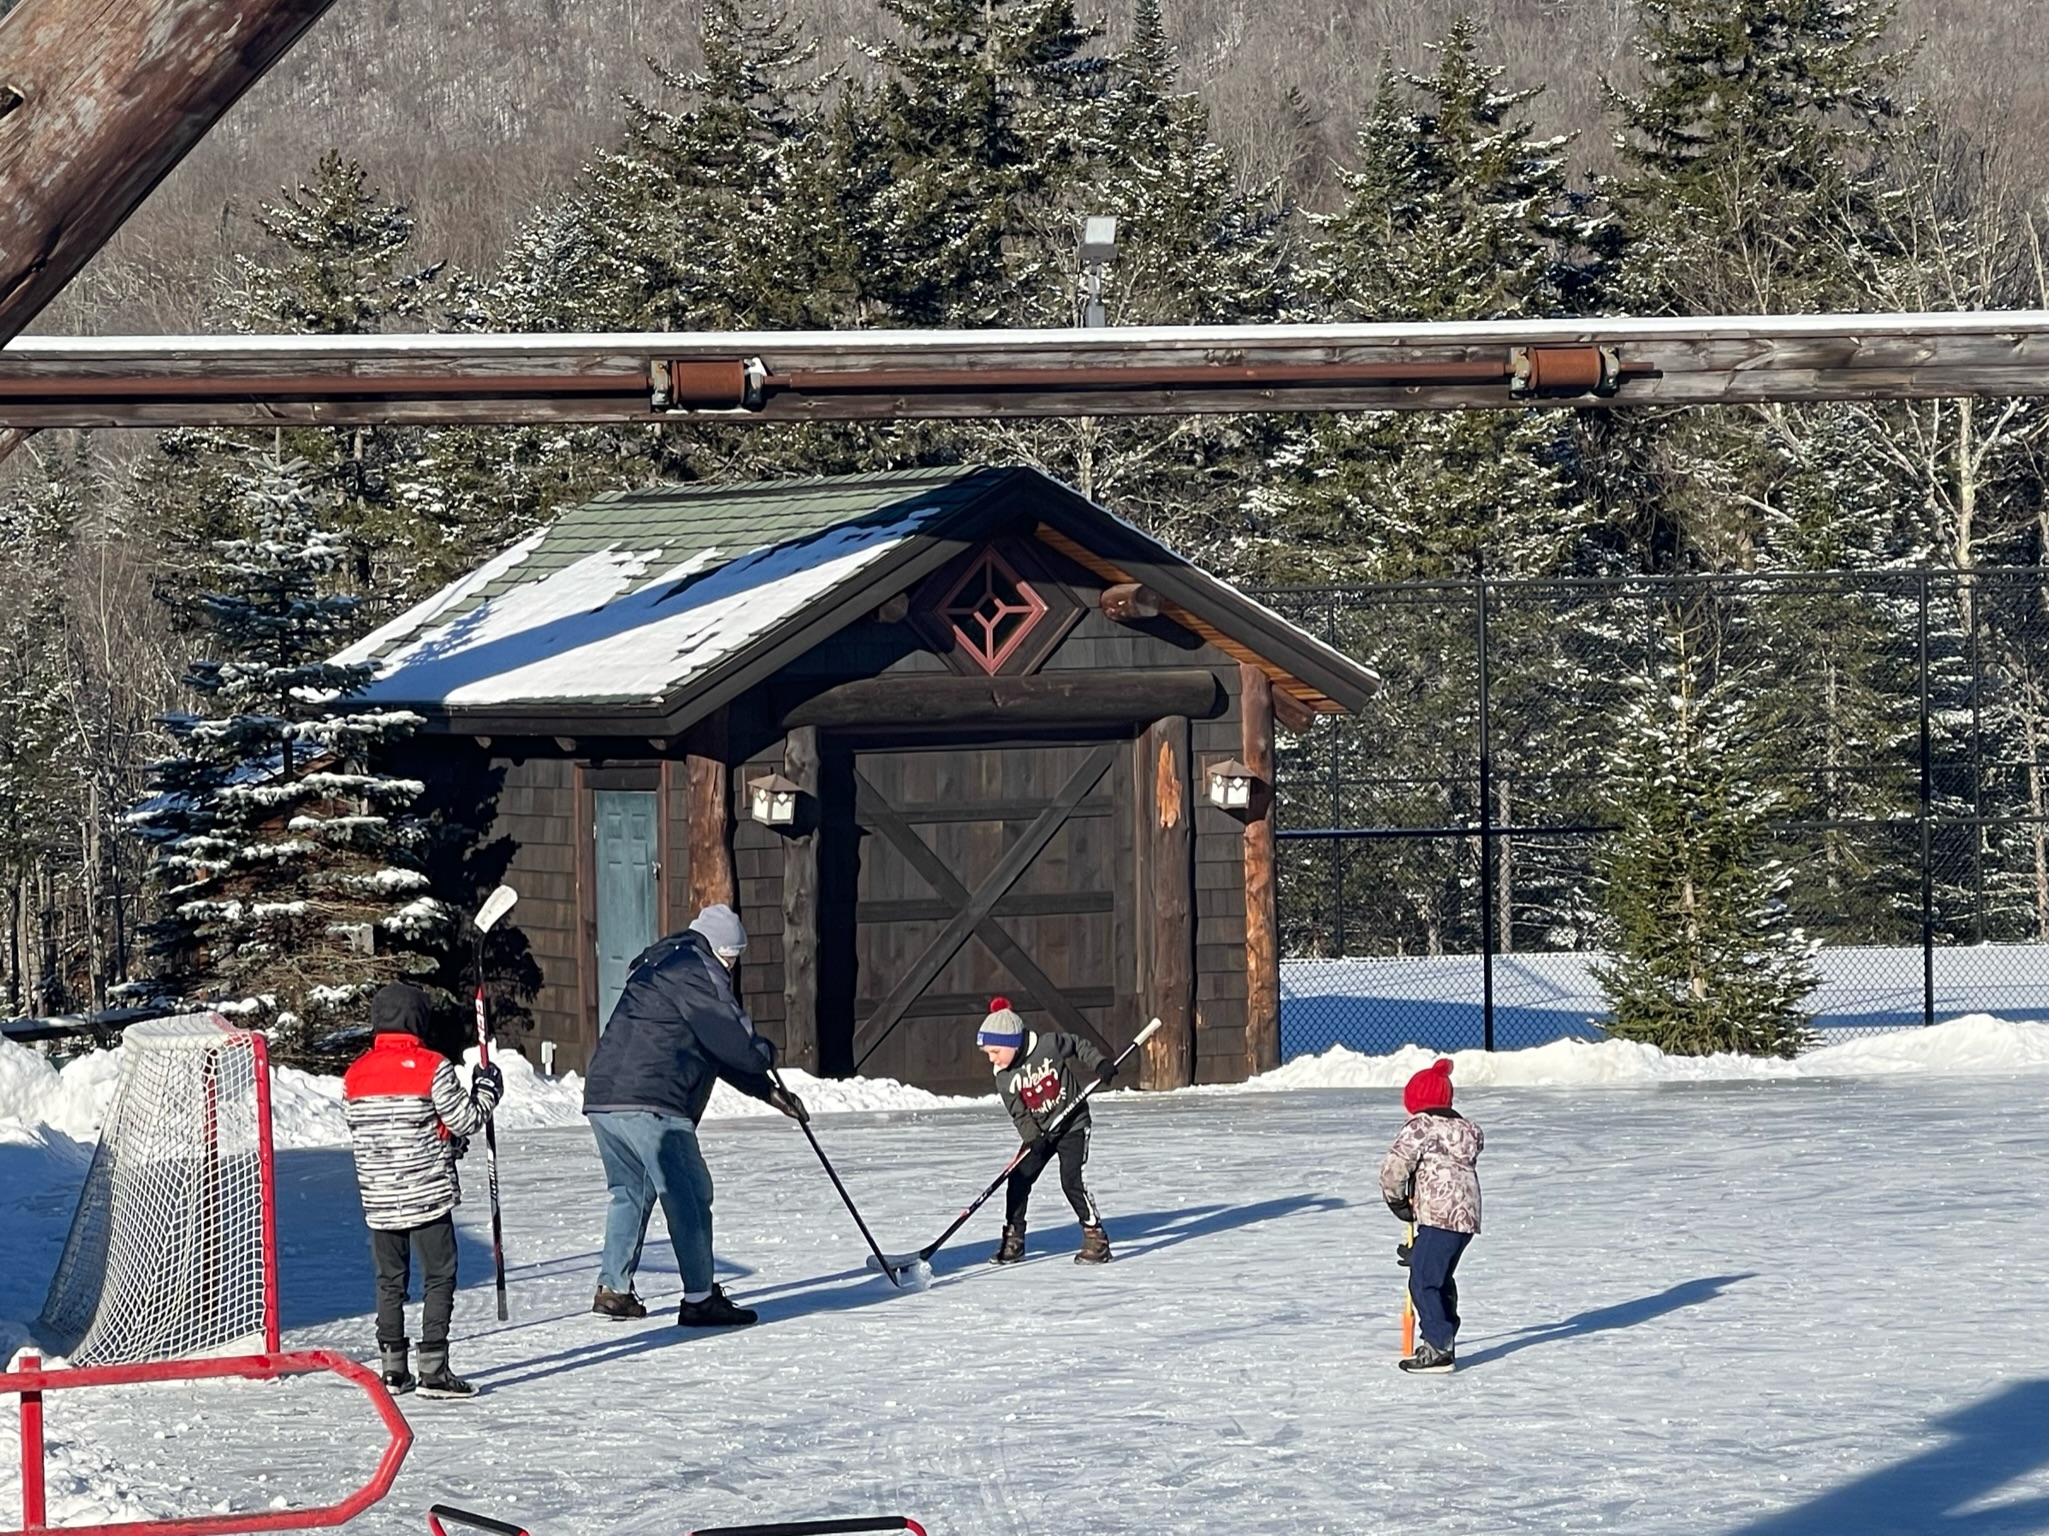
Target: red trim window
[(990, 610)]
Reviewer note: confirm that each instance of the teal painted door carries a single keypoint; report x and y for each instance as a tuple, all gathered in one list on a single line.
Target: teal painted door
[(627, 887)]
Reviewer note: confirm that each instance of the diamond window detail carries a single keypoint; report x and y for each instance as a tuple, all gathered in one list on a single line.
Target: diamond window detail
[(991, 610)]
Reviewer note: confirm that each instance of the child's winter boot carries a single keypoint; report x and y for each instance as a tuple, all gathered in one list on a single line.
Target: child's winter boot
[(1427, 1358), (1095, 1246), (398, 1377), (436, 1379), (1011, 1249)]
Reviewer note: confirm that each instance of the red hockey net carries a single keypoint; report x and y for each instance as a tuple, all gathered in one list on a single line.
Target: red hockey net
[(172, 1252)]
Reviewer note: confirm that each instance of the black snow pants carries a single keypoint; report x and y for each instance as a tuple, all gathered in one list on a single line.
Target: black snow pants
[(1073, 1151), (392, 1253)]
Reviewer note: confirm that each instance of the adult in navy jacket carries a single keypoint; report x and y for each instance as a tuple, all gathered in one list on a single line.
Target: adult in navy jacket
[(675, 1031)]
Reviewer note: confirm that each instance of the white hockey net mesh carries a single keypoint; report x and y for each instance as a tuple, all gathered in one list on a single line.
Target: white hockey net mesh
[(166, 1253)]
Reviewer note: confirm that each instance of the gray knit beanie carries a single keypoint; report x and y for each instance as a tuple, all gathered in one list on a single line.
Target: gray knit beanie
[(721, 928)]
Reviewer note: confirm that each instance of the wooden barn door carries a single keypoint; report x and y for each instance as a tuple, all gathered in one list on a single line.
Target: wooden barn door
[(976, 871)]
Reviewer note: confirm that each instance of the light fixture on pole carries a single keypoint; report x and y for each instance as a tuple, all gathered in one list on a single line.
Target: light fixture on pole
[(1232, 785), (772, 801), (1098, 246)]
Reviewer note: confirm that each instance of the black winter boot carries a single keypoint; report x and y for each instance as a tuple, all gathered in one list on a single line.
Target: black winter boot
[(1011, 1249), (398, 1377), (1095, 1246), (715, 1311), (436, 1379), (620, 1306), (1427, 1358)]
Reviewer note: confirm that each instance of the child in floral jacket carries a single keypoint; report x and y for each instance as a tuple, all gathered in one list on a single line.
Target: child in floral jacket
[(1429, 1178)]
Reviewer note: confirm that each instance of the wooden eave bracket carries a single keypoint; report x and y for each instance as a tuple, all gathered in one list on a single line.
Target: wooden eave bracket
[(1304, 703)]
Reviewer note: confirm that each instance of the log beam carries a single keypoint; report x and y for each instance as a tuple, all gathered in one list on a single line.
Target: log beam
[(1101, 696), (1262, 914), (1166, 893), (708, 801), (101, 98), (937, 375), (800, 904)]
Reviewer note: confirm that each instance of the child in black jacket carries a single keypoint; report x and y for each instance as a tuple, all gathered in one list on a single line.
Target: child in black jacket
[(1040, 1078)]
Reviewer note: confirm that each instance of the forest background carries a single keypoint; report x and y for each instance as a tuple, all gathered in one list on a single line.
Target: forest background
[(623, 164)]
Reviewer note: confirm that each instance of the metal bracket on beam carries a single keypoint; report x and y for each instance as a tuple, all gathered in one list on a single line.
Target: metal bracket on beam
[(716, 386), (1563, 370)]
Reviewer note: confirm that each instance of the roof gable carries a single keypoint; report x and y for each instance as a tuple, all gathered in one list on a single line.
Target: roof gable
[(656, 606)]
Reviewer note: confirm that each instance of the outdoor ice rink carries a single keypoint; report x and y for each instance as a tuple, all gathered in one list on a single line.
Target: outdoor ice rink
[(1699, 1307)]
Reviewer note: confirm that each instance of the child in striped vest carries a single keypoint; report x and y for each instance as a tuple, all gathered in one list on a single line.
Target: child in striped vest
[(409, 1120)]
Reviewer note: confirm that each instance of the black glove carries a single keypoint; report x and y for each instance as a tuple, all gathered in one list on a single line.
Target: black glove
[(781, 1098), (1403, 1211), (1042, 1149), (1106, 1072), (458, 1146), (488, 1083), (1401, 1254)]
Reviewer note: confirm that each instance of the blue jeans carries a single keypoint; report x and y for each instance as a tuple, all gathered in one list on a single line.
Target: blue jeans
[(650, 1157), (1433, 1259)]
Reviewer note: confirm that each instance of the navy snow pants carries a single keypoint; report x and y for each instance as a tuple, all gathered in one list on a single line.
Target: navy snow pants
[(1433, 1259)]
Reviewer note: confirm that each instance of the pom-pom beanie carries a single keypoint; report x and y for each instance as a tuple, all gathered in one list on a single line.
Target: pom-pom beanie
[(1002, 1027), (1429, 1088)]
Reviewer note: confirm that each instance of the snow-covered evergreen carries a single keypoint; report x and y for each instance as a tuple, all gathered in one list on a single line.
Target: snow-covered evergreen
[(279, 838), (1703, 958)]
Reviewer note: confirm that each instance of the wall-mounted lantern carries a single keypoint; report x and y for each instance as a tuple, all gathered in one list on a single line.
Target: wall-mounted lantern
[(772, 801), (1232, 785)]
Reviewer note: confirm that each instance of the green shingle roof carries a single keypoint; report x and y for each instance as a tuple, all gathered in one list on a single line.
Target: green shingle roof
[(734, 518)]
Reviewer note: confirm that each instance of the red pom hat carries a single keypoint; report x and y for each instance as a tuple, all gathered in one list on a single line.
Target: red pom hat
[(1429, 1088)]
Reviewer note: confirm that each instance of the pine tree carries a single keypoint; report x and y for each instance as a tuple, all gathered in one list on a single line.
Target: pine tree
[(338, 261), (981, 112), (1701, 958), (344, 267), (1453, 211), (1753, 155), (1193, 247), (276, 833)]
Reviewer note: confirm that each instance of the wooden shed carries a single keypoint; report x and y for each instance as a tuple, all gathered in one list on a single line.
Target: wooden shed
[(988, 708)]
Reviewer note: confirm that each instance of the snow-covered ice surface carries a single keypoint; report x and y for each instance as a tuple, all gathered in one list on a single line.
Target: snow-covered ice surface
[(1804, 1299)]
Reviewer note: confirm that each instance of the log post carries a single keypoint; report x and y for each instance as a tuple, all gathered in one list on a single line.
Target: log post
[(99, 99), (800, 904), (708, 795), (1166, 895), (1262, 915)]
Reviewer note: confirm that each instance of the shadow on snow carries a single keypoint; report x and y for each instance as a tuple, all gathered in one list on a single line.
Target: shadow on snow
[(1991, 1443), (1623, 1314), (846, 1290)]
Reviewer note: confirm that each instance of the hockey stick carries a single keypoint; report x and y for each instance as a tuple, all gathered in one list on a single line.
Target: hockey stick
[(495, 906), (847, 1199), (897, 1261), (1409, 1305)]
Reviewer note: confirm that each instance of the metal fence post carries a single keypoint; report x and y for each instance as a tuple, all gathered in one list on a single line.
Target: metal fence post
[(1486, 826), (1927, 811)]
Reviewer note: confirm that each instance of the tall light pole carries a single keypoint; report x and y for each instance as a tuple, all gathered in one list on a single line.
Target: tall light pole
[(1098, 246)]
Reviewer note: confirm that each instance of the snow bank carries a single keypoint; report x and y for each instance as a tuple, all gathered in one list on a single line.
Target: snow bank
[(1973, 1045), (61, 1110), (41, 1106)]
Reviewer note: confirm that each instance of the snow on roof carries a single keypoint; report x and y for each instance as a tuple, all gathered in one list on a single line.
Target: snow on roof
[(628, 598)]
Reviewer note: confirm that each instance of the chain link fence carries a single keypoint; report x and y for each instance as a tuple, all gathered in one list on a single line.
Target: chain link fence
[(1442, 856)]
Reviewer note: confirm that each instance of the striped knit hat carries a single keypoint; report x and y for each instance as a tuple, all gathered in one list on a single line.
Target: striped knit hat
[(1002, 1027)]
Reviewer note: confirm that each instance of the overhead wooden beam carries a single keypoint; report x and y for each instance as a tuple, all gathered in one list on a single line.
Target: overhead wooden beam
[(99, 99), (903, 375)]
